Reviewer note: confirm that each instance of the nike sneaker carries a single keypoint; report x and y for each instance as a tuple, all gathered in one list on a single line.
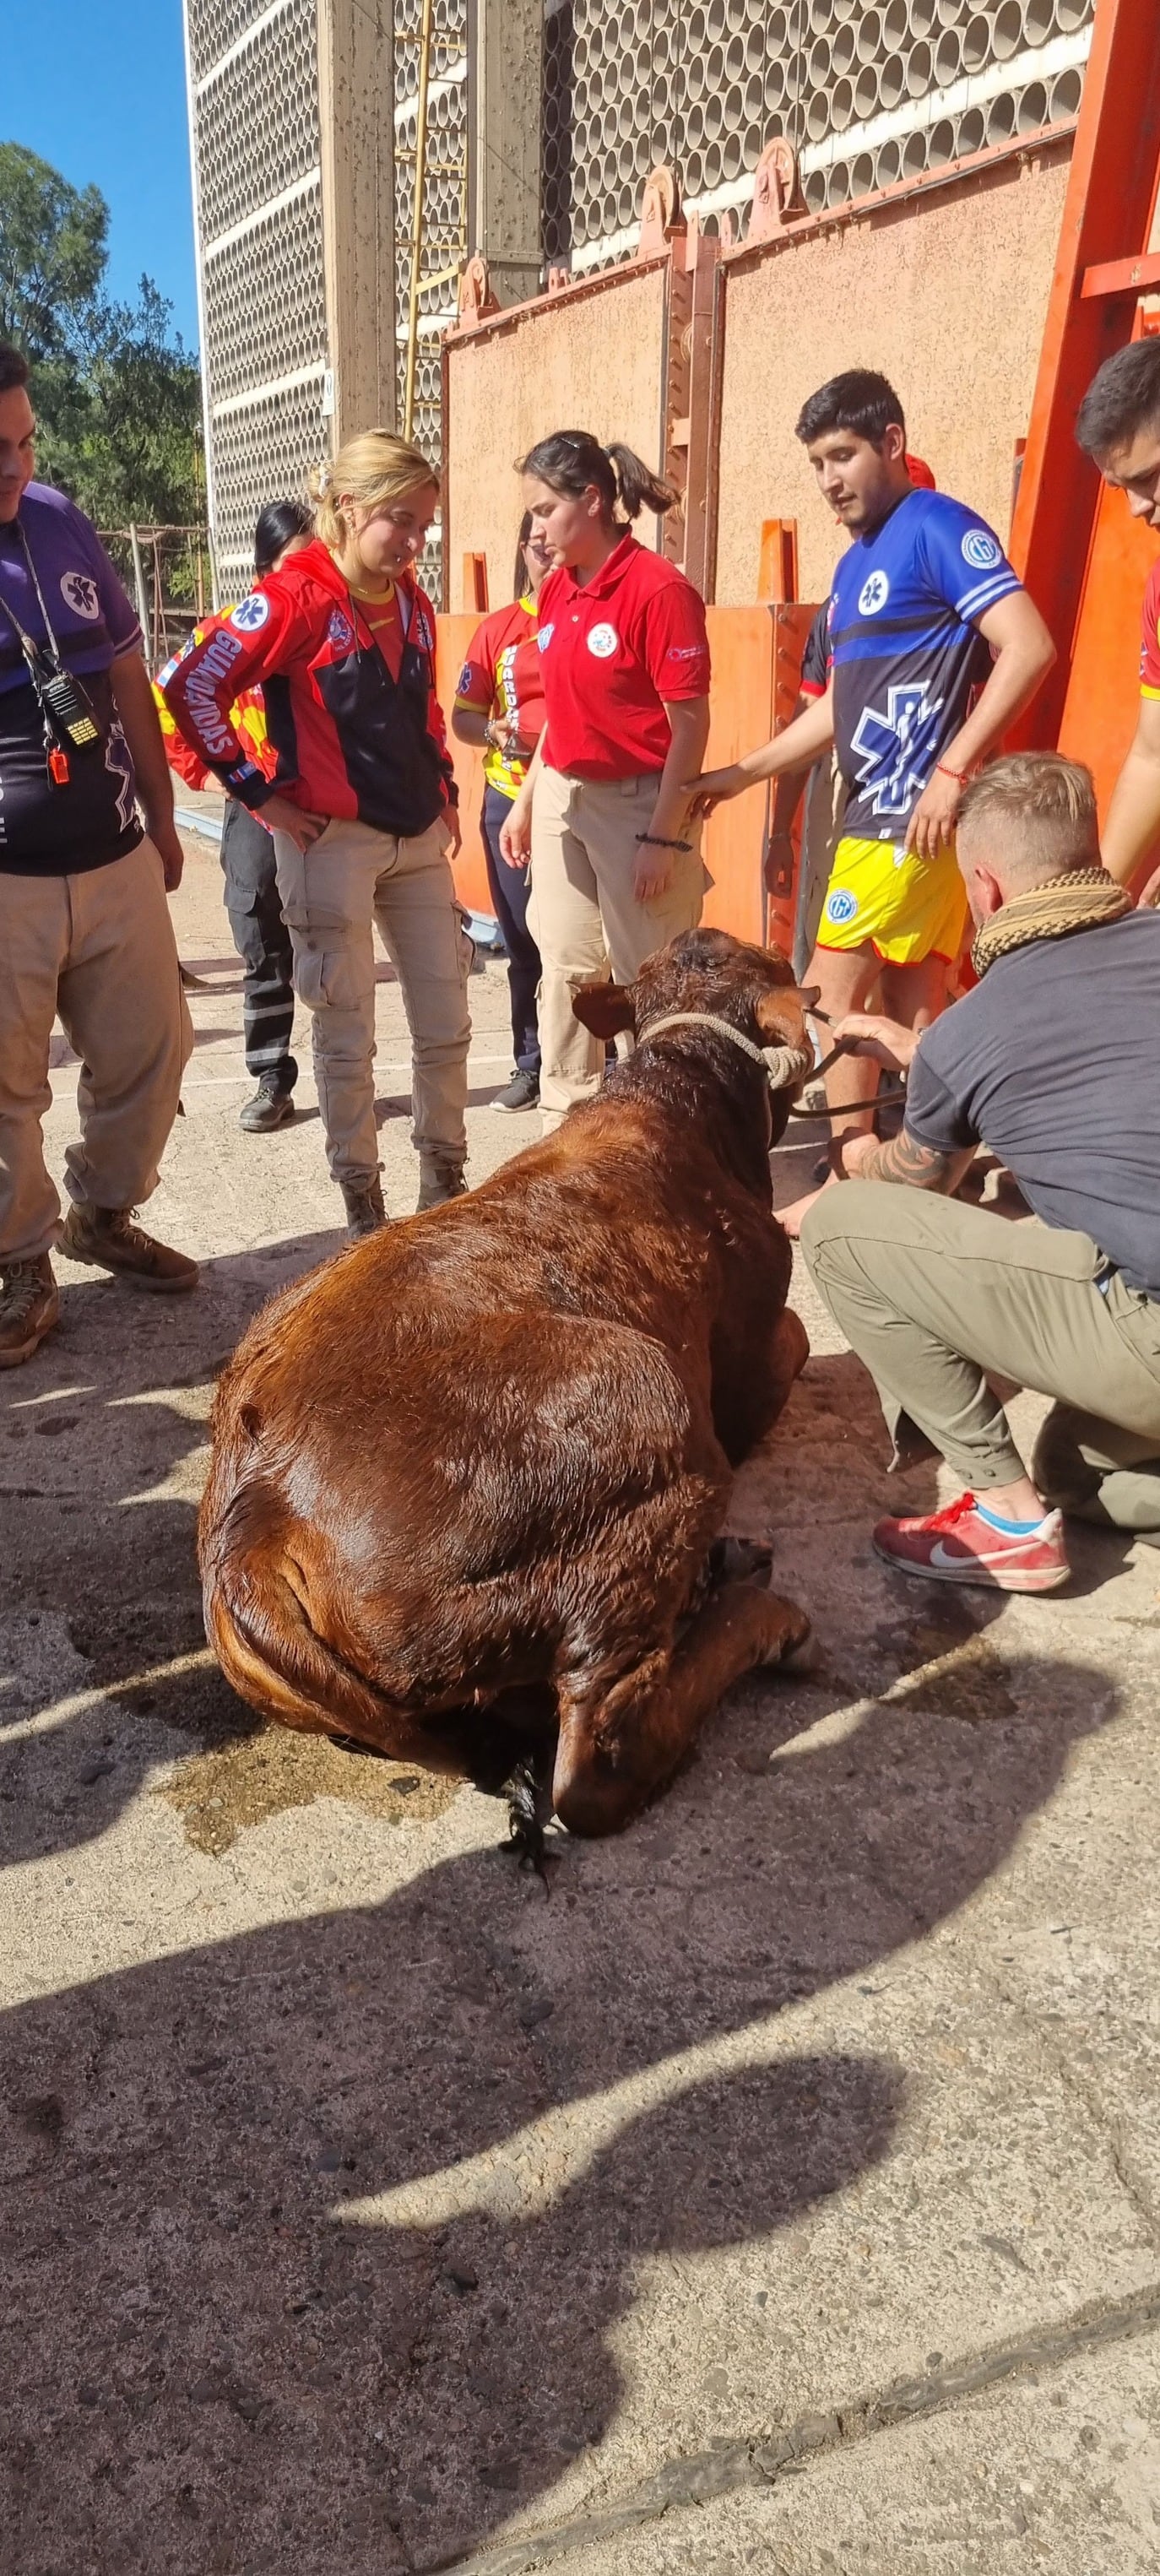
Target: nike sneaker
[(961, 1545)]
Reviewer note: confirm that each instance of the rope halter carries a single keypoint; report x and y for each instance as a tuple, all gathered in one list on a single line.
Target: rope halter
[(783, 1065)]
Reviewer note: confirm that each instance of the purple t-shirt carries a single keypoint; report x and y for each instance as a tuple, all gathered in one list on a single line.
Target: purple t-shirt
[(49, 830)]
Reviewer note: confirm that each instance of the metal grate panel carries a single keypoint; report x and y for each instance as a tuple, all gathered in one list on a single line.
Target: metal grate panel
[(867, 94)]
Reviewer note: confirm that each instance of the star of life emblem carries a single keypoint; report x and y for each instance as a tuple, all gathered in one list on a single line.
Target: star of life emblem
[(897, 747)]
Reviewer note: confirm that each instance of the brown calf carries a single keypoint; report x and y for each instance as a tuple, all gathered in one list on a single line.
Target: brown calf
[(467, 1476)]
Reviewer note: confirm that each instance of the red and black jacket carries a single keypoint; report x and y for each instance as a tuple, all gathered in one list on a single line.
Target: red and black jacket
[(350, 740)]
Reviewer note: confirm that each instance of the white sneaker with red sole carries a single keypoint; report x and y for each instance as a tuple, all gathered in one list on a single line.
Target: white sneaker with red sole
[(959, 1546)]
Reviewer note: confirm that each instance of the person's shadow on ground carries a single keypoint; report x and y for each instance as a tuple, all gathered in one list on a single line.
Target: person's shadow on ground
[(214, 2371)]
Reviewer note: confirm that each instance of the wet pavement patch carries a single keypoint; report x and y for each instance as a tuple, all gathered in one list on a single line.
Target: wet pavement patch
[(219, 1793)]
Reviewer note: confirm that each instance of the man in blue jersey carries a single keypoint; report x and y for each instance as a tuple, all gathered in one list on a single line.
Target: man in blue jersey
[(934, 650)]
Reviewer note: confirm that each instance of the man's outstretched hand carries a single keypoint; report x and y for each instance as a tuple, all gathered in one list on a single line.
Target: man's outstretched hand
[(867, 1033), (714, 787)]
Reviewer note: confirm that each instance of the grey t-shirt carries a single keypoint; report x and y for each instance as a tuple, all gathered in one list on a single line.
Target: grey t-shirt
[(1054, 1063)]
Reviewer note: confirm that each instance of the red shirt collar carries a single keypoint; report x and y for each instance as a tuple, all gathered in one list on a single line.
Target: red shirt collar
[(611, 571)]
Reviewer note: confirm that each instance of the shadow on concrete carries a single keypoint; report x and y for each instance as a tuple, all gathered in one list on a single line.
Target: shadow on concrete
[(216, 2369), (220, 2365), (101, 1442)]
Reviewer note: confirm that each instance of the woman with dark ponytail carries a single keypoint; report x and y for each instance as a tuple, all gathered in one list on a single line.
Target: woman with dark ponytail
[(615, 855)]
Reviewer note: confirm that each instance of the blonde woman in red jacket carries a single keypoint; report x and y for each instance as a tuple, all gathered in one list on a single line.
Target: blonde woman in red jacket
[(362, 801)]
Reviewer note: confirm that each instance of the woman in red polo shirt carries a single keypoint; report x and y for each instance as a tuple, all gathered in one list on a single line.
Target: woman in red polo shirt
[(616, 857)]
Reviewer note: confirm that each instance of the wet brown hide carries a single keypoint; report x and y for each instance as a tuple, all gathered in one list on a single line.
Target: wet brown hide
[(466, 1476)]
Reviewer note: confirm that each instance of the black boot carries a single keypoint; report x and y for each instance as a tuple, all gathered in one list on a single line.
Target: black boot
[(272, 1106), (440, 1178), (363, 1201)]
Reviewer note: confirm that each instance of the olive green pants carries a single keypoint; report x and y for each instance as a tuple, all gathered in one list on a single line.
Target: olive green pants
[(937, 1299)]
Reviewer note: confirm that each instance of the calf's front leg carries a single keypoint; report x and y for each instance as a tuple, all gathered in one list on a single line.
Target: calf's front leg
[(619, 1743)]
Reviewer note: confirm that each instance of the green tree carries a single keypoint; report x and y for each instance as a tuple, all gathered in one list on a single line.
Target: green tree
[(53, 252), (117, 395)]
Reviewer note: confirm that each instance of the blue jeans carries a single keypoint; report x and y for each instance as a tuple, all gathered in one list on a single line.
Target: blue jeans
[(509, 894)]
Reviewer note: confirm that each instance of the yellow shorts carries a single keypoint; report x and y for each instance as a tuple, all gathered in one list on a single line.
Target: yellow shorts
[(883, 896)]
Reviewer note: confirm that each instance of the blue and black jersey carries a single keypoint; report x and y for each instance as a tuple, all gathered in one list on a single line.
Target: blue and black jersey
[(905, 652)]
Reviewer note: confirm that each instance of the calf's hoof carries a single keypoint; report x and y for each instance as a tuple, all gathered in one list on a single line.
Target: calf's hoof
[(791, 1639)]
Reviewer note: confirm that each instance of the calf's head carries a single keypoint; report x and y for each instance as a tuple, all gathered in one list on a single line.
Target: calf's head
[(710, 972), (692, 993)]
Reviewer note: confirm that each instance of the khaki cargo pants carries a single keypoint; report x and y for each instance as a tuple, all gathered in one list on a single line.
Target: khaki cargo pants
[(936, 1297), (585, 918), (96, 951), (332, 896)]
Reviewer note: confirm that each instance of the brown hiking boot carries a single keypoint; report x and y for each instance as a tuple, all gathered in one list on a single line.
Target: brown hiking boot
[(29, 1307), (440, 1178), (109, 1239), (363, 1201)]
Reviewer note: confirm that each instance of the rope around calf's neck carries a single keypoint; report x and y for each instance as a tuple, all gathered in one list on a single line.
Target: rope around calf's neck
[(782, 1065)]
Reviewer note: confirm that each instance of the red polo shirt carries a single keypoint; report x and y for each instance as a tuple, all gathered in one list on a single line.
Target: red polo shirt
[(612, 650)]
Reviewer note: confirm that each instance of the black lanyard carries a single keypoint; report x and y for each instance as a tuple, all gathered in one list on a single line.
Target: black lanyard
[(33, 652)]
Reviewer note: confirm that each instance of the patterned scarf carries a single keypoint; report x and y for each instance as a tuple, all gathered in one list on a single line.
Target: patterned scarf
[(1079, 901)]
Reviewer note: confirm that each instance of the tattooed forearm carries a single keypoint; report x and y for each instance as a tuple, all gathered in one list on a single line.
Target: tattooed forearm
[(917, 1167)]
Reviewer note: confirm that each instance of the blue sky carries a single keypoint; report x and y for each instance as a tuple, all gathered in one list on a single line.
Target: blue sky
[(97, 87)]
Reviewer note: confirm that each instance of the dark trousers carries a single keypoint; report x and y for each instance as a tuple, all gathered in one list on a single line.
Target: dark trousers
[(262, 942), (509, 895)]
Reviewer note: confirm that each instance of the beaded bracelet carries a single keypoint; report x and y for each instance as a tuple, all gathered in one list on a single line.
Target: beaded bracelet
[(656, 842)]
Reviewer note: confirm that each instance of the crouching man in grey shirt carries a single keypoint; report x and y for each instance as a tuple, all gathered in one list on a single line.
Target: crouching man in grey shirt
[(1052, 1062)]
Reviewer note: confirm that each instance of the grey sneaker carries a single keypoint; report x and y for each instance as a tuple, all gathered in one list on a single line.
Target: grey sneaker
[(522, 1092), (110, 1240), (272, 1106), (363, 1201), (440, 1178), (29, 1307)]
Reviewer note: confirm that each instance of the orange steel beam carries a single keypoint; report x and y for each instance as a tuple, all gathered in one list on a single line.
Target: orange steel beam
[(777, 566), (475, 582), (1132, 277), (1107, 217)]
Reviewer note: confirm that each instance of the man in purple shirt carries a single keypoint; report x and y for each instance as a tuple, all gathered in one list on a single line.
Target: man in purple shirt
[(85, 932)]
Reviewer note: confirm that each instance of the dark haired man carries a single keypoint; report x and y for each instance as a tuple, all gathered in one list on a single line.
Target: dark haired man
[(1051, 1061), (934, 649), (84, 927), (1119, 428)]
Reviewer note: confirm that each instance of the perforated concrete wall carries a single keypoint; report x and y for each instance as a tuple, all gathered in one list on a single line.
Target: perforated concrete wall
[(867, 94)]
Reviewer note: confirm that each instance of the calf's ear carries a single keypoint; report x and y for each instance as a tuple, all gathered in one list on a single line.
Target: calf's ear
[(779, 1017), (605, 1009)]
